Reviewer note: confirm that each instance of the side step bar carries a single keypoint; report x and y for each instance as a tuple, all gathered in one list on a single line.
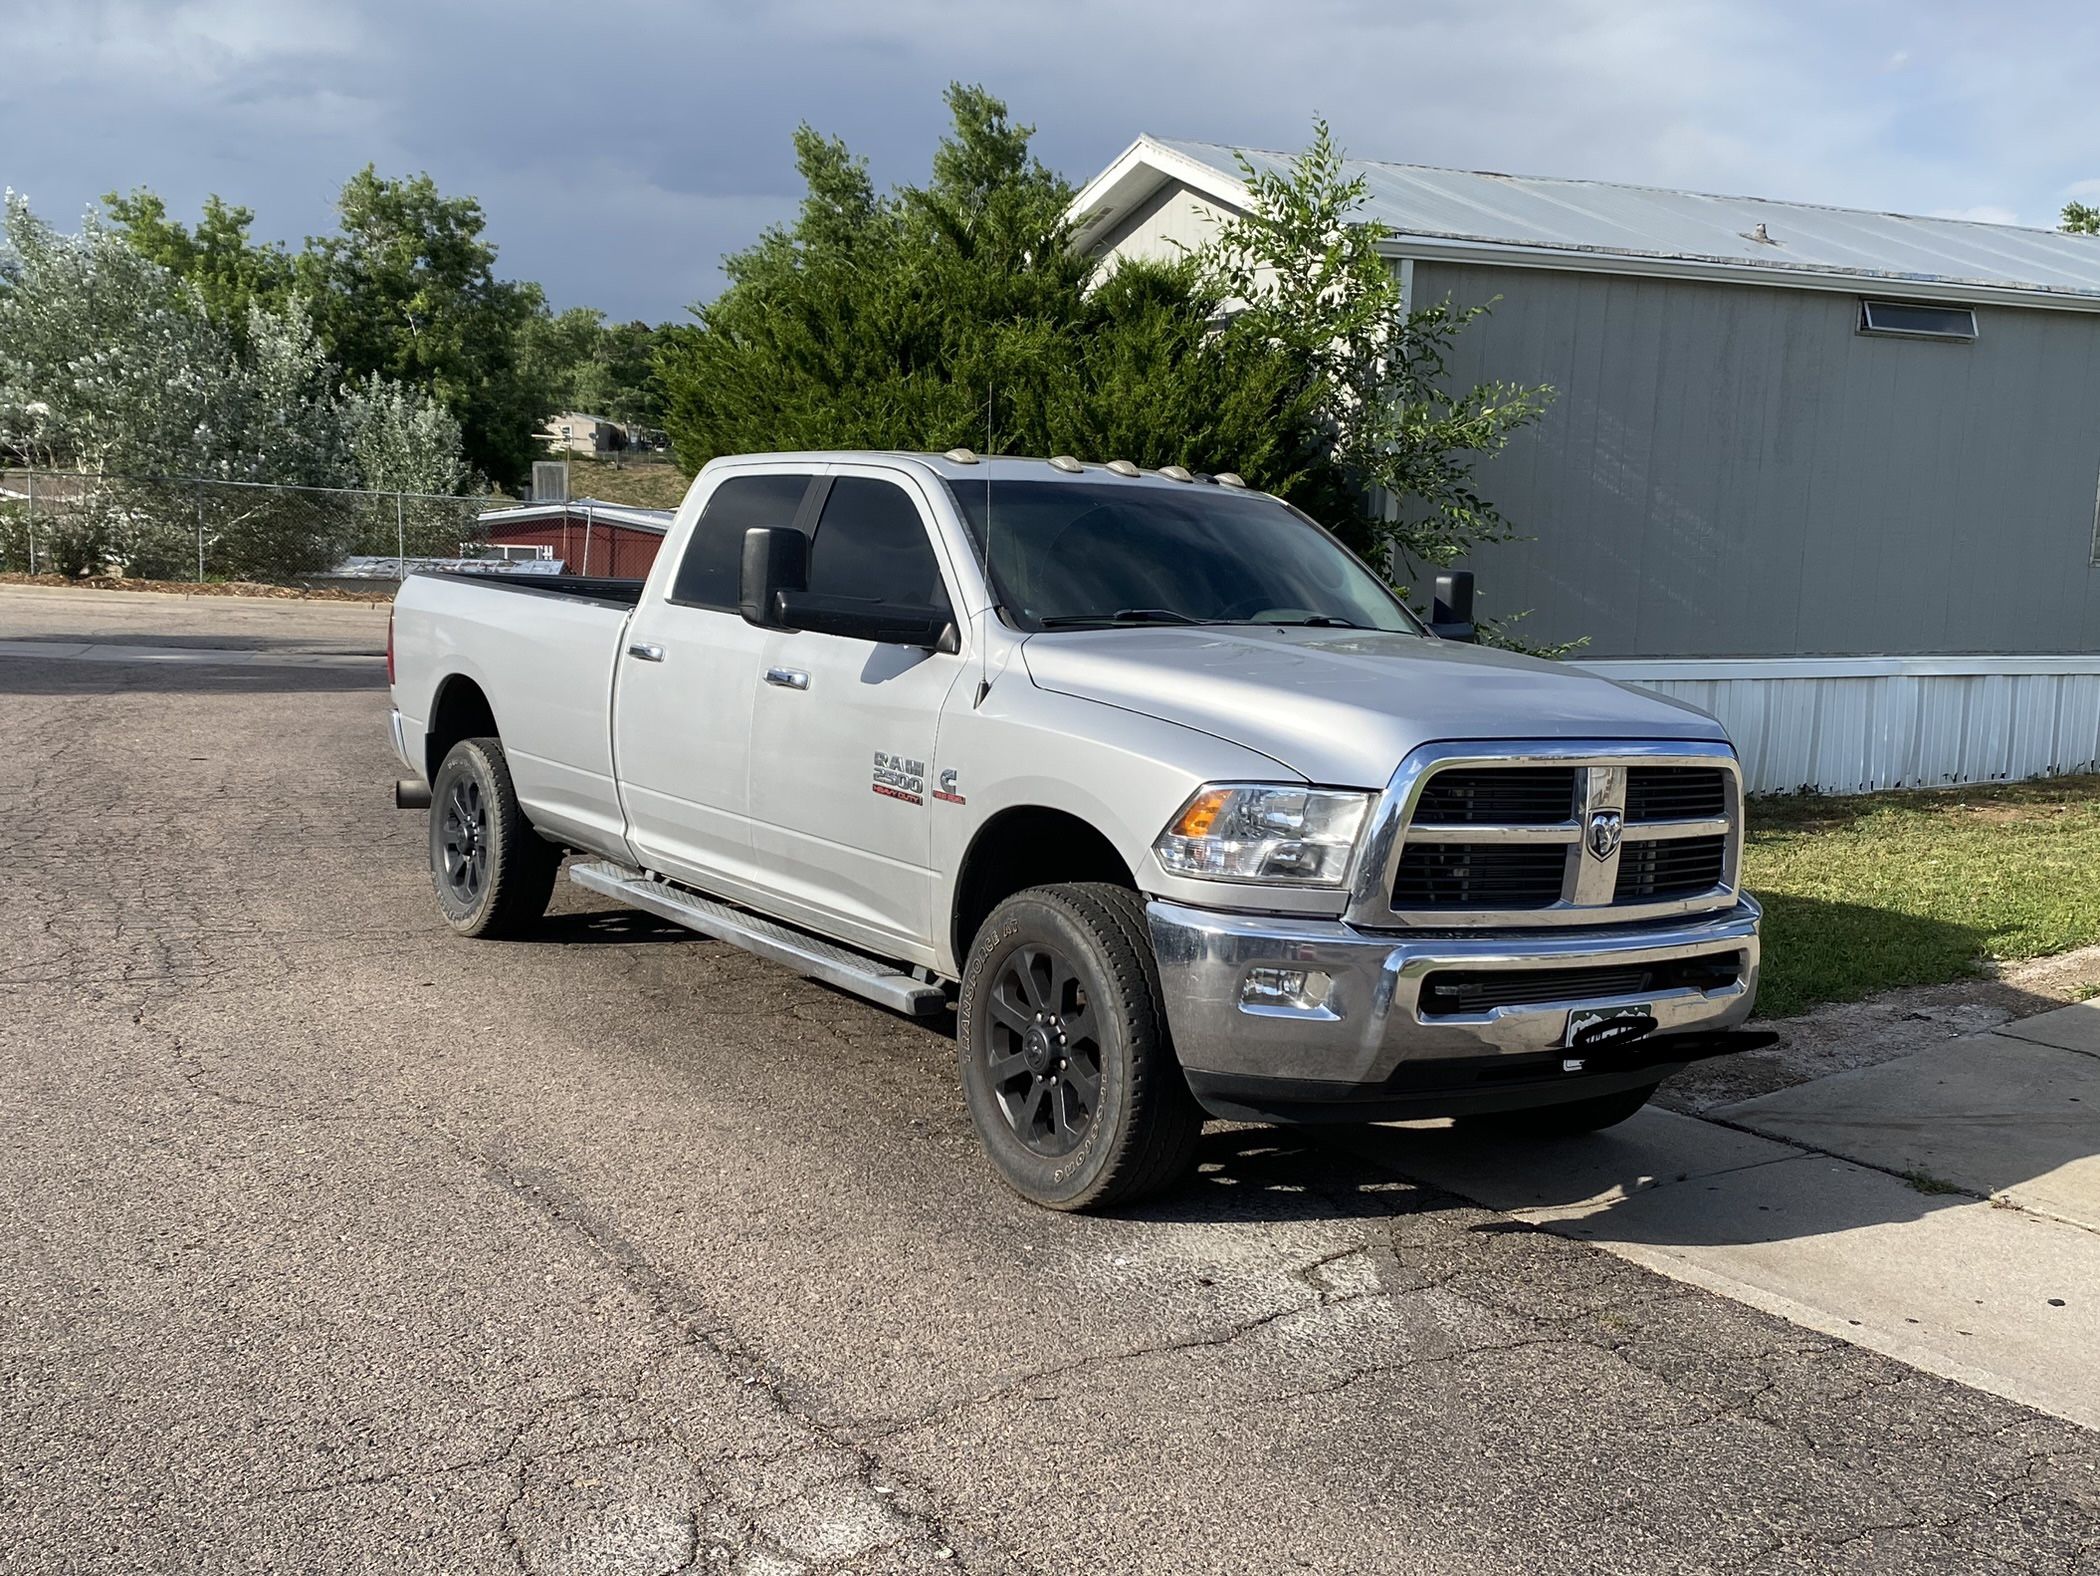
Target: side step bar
[(783, 944)]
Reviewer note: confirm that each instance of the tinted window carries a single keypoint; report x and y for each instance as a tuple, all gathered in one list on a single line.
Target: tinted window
[(1068, 553), (871, 543), (713, 562)]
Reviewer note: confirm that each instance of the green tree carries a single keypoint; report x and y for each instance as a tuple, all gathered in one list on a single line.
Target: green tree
[(402, 440), (605, 369), (626, 369), (1312, 278), (958, 312), (108, 362), (406, 288), (2080, 219), (561, 355), (232, 271)]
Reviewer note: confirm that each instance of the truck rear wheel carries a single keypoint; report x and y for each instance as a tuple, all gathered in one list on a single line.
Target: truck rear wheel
[(1067, 1066), (492, 872)]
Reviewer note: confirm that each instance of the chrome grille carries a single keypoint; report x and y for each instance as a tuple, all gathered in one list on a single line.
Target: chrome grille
[(1554, 834), (1510, 795), (1675, 793), (1480, 875), (1451, 991), (1676, 868)]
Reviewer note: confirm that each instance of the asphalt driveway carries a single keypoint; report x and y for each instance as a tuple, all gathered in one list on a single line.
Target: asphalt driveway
[(334, 1243)]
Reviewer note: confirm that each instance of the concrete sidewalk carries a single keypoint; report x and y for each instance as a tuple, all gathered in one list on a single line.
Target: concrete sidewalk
[(1943, 1208)]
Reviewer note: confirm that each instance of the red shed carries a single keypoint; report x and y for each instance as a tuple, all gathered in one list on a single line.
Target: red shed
[(587, 536)]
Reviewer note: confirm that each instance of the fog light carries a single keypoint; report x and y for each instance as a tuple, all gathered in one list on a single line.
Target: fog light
[(1301, 990)]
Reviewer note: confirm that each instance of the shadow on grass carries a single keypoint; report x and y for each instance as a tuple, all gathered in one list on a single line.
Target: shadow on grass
[(1818, 951)]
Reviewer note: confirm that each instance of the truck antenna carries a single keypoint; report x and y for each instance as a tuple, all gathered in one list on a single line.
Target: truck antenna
[(984, 655)]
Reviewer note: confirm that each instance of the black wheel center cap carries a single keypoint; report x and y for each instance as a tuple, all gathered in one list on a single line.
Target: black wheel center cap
[(1037, 1049)]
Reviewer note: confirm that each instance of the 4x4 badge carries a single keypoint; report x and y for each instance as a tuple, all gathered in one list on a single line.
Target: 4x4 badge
[(1606, 828)]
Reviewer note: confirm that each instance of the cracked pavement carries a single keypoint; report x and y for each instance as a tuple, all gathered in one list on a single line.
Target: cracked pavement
[(335, 1243)]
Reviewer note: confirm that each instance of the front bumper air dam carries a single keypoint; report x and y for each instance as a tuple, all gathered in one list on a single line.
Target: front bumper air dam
[(1355, 1046)]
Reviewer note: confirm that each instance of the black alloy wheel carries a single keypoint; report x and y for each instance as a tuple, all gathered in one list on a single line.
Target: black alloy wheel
[(463, 839), (1067, 1065), (493, 873), (1045, 1063)]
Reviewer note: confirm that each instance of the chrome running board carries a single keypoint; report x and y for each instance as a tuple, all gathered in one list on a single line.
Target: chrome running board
[(768, 938)]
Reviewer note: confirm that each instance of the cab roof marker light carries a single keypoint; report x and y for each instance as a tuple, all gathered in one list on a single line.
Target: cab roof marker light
[(1230, 479), (1122, 467), (1065, 462), (1177, 473), (961, 456)]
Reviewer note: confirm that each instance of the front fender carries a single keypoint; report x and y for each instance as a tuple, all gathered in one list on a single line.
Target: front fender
[(1123, 774)]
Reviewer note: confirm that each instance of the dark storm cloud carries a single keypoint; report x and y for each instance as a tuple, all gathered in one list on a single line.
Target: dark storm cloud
[(621, 150)]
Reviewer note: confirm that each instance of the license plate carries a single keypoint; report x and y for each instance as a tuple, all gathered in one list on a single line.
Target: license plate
[(1594, 1028)]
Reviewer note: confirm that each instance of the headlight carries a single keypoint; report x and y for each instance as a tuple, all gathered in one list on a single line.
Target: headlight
[(1252, 832)]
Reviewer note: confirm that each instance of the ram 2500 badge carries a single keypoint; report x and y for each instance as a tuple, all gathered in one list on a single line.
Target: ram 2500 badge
[(1143, 775)]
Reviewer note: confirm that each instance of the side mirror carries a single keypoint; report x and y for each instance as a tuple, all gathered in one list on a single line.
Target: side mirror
[(930, 628), (776, 562), (1451, 606)]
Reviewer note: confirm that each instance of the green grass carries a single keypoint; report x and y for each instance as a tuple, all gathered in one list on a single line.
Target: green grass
[(654, 483), (1865, 894), (1925, 1182)]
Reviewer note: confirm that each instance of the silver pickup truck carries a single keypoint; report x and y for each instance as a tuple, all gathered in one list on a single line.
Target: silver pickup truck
[(1143, 775)]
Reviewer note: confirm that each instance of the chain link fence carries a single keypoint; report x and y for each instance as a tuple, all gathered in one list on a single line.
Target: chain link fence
[(185, 528)]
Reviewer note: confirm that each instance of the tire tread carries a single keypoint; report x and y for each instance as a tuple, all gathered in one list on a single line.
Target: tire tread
[(521, 876), (1163, 1122)]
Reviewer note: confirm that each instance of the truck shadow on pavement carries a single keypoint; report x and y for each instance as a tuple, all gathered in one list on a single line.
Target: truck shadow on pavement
[(610, 927), (1601, 1186)]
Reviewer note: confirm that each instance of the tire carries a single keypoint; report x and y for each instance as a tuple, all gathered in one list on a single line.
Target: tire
[(1079, 955), (493, 874), (1563, 1121)]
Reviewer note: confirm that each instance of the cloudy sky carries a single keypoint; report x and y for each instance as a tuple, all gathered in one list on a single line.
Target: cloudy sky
[(620, 149)]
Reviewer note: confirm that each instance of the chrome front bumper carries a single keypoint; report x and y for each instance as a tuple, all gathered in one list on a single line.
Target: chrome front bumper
[(1362, 1032)]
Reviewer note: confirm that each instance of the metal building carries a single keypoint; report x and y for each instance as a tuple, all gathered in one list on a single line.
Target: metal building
[(584, 535), (1831, 474)]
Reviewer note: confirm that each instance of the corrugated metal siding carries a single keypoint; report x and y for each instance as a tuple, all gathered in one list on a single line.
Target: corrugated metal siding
[(1855, 733), (1733, 470)]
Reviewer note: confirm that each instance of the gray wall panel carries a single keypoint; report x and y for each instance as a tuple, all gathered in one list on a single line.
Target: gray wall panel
[(1734, 471)]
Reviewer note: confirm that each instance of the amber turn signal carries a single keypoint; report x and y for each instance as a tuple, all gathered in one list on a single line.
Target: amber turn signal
[(1202, 814)]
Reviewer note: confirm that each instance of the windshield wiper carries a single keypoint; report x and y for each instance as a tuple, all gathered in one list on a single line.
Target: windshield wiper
[(1312, 621), (1126, 615)]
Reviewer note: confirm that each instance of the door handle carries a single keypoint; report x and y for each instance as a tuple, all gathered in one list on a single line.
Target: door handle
[(645, 650), (788, 678)]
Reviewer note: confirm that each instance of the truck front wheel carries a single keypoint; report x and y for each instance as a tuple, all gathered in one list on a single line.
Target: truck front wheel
[(492, 872), (1067, 1066)]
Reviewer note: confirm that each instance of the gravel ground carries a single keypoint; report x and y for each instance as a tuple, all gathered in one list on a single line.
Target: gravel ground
[(334, 1243)]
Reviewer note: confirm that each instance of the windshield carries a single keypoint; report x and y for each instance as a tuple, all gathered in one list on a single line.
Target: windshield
[(1068, 555)]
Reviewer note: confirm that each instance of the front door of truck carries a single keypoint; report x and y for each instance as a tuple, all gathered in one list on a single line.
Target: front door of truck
[(682, 699), (842, 731)]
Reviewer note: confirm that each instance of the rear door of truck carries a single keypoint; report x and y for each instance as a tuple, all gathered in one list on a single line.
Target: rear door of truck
[(681, 724)]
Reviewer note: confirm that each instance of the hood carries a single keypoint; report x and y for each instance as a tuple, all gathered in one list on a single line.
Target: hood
[(1343, 706)]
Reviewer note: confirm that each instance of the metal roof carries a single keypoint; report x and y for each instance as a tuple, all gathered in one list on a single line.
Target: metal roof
[(600, 512), (1604, 226)]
